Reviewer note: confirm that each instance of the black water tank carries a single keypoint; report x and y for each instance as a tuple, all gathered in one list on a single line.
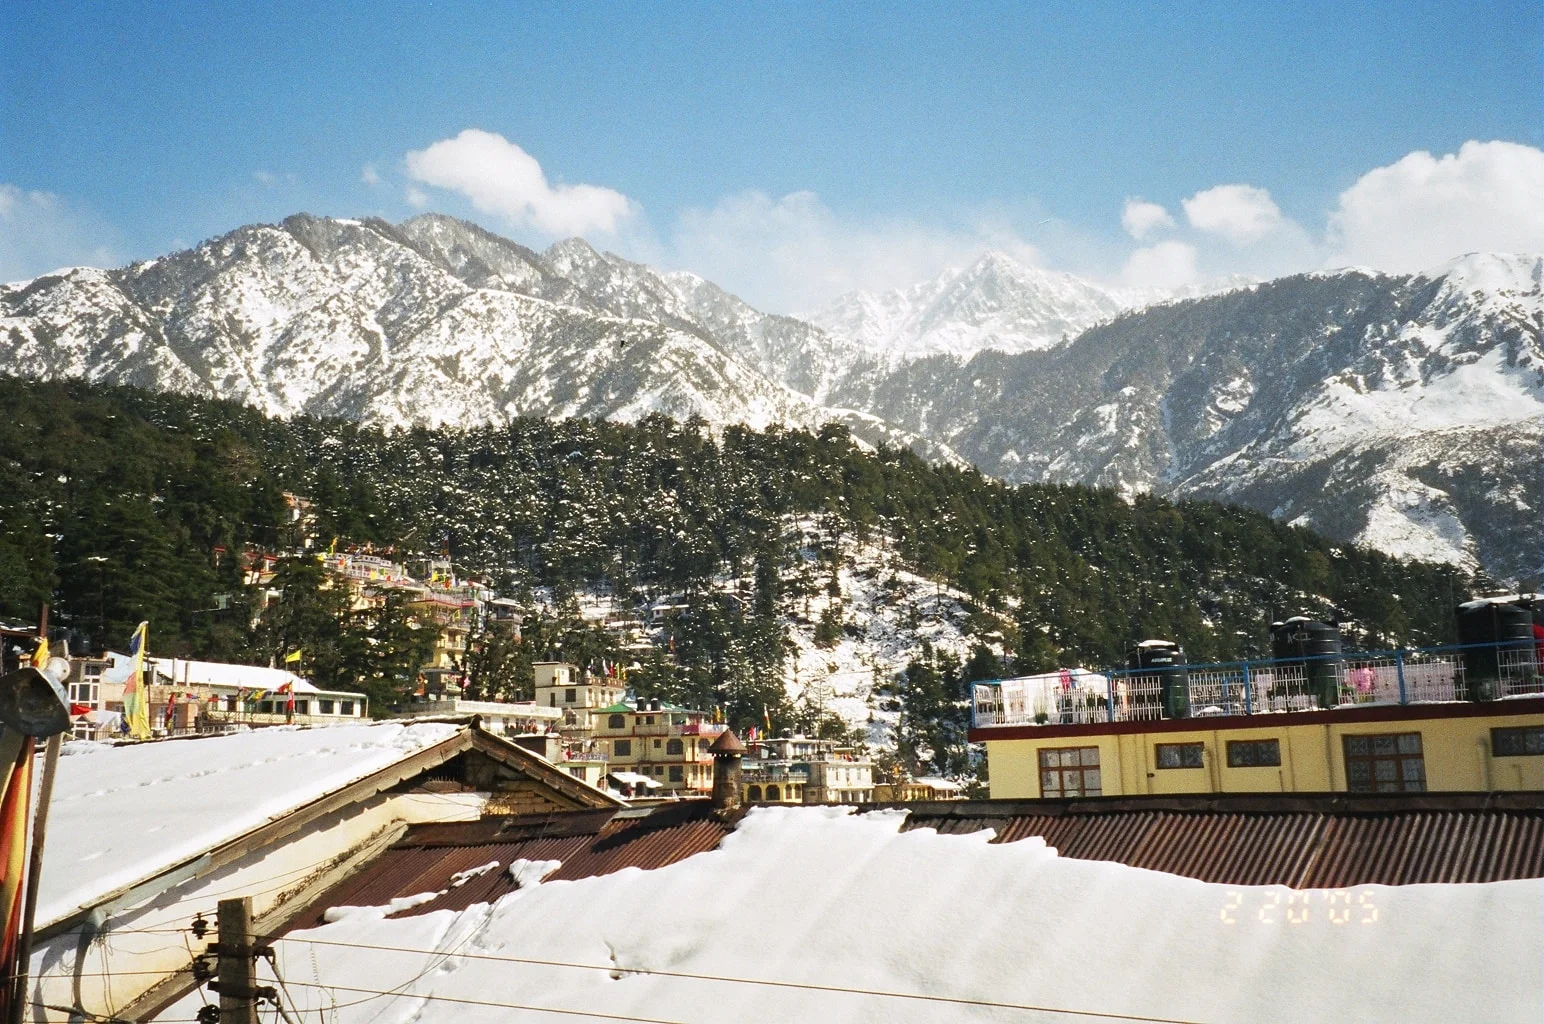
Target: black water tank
[(1315, 646), (1501, 625), (1166, 661)]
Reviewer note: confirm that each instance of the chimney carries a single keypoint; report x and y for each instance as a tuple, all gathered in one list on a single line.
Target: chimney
[(727, 751)]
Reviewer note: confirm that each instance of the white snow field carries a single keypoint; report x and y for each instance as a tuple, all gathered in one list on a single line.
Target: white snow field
[(121, 814), (947, 927)]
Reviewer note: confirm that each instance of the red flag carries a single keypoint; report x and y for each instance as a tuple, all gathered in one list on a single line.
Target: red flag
[(76, 710)]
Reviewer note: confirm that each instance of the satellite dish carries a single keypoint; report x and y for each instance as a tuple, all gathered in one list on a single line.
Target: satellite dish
[(30, 704)]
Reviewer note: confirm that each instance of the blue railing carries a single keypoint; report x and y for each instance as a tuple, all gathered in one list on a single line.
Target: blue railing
[(1351, 679)]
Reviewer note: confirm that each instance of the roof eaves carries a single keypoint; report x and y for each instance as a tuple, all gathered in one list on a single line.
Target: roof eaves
[(276, 828), (570, 786)]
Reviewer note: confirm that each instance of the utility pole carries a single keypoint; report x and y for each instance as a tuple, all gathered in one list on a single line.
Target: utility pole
[(238, 964)]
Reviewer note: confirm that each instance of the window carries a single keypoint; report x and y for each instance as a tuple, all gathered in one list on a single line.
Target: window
[(569, 696), (1524, 742), (648, 719), (753, 793), (622, 748), (302, 707), (1180, 755), (1254, 753), (346, 707), (1385, 763), (577, 773), (673, 747), (1069, 771), (324, 707), (265, 706), (659, 769), (675, 773), (656, 744), (230, 703), (772, 793), (703, 745), (616, 722)]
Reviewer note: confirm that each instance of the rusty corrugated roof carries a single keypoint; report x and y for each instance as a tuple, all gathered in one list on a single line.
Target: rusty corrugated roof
[(1305, 841), (588, 843), (1312, 841)]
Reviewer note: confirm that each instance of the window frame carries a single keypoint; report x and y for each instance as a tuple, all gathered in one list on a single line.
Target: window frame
[(1523, 734), (676, 774), (674, 747), (1080, 765), (1373, 758), (1196, 747), (622, 748), (1233, 745), (616, 722)]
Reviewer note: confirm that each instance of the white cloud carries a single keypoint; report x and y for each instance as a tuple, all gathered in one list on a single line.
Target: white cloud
[(1239, 213), (267, 179), (370, 176), (795, 254), (40, 232), (500, 178), (1422, 210), (1141, 218), (1163, 266)]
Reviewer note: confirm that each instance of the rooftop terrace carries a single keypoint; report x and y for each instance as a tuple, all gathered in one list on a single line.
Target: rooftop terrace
[(1348, 680)]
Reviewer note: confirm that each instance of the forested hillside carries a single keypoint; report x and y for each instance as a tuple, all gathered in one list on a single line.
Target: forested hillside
[(122, 504)]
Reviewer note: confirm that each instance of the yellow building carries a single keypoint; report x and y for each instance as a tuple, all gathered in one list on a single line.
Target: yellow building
[(579, 696), (660, 741), (1442, 747)]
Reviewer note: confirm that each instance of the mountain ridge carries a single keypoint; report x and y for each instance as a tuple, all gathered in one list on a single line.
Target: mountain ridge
[(1396, 410)]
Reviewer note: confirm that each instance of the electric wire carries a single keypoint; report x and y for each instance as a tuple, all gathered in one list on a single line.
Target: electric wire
[(808, 986)]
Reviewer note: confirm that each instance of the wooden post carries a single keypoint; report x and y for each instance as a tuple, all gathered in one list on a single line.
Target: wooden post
[(238, 968), (35, 871)]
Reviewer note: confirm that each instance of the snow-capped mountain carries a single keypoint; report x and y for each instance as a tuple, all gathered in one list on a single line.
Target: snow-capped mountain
[(1404, 411), (995, 303)]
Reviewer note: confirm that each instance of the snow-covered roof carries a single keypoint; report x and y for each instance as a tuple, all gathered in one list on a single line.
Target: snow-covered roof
[(974, 930), (122, 814), (634, 779), (183, 671)]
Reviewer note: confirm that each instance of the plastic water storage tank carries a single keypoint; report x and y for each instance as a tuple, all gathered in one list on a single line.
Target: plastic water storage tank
[(1504, 625), (1165, 660), (1315, 646)]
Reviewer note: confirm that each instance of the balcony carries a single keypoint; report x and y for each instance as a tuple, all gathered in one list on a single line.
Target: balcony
[(1349, 680)]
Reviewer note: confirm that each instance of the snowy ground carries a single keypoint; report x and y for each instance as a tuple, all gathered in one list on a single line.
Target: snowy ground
[(121, 814), (916, 927), (891, 612)]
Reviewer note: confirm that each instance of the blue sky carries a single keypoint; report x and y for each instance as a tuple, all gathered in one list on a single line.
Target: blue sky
[(788, 150)]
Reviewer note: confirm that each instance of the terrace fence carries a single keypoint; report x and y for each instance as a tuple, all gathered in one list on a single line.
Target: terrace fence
[(1349, 679)]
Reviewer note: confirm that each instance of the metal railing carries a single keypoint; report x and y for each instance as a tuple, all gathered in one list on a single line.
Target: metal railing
[(1405, 676)]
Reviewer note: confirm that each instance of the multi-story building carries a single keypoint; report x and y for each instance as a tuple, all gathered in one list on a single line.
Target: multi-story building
[(579, 696), (1397, 721), (501, 718), (799, 769), (659, 741)]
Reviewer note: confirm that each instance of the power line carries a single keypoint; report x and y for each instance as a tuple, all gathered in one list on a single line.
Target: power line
[(595, 1014), (807, 986)]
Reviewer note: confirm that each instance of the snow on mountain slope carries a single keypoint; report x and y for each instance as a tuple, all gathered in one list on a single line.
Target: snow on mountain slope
[(995, 303), (350, 319), (1399, 410), (888, 613)]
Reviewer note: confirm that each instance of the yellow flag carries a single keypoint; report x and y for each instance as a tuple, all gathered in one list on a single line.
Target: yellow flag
[(40, 656), (136, 695), (292, 657)]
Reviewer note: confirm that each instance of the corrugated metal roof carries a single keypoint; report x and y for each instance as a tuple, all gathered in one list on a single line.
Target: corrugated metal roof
[(1306, 841), (588, 843)]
